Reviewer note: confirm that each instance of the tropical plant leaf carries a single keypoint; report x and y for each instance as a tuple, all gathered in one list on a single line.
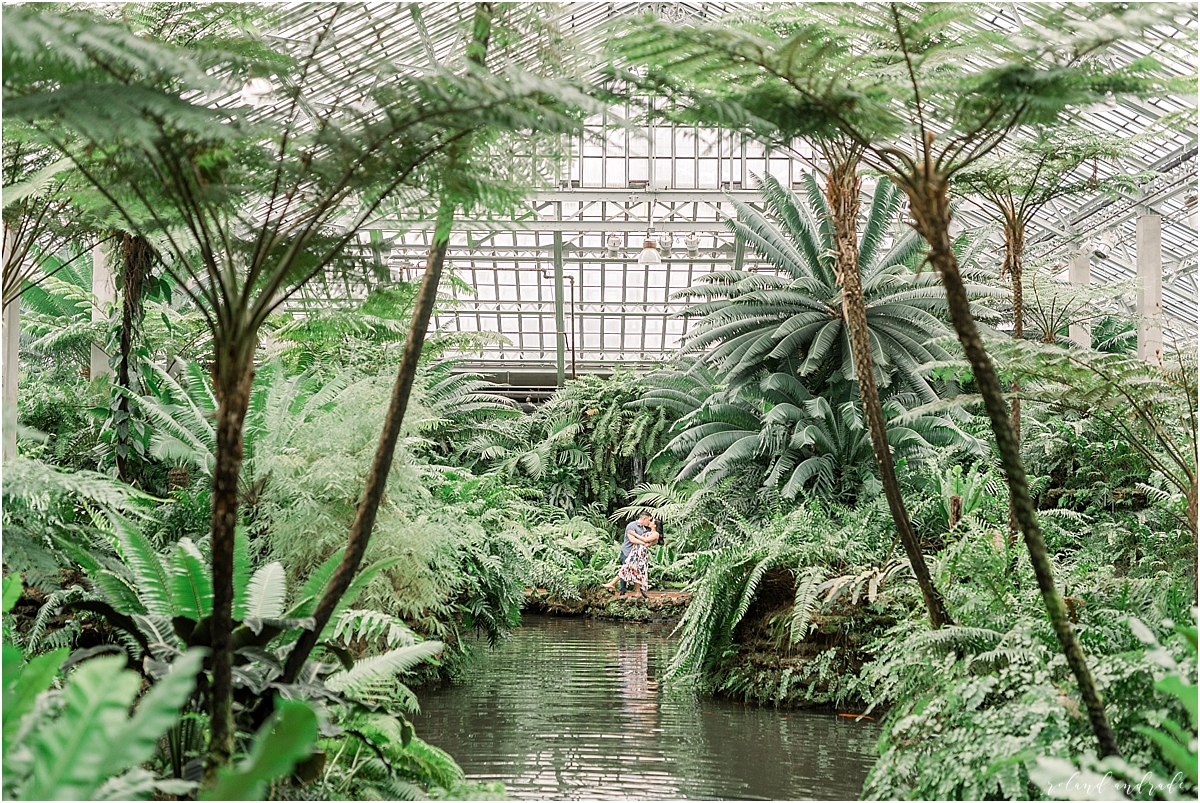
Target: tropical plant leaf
[(266, 593), (286, 738), (369, 673)]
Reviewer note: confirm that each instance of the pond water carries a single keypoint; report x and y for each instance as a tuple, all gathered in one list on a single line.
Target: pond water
[(573, 709)]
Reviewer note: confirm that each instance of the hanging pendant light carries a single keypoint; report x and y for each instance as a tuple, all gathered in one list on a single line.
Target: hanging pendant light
[(649, 255)]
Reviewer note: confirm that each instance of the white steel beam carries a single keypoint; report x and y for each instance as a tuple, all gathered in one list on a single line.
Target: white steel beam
[(1080, 274), (104, 292), (1149, 294)]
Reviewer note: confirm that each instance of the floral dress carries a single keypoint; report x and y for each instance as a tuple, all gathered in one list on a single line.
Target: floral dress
[(636, 569)]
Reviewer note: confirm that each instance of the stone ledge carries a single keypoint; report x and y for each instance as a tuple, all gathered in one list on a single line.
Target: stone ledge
[(597, 603)]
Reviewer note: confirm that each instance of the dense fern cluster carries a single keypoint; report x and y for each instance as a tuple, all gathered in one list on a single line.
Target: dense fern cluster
[(582, 448), (995, 691)]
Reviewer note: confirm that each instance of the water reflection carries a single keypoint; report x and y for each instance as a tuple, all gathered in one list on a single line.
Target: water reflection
[(571, 709), (637, 689)]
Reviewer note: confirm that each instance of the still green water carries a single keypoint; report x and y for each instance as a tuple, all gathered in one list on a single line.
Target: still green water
[(573, 709)]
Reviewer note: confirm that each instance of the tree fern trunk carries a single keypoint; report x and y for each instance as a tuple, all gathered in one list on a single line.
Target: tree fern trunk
[(842, 189), (368, 508), (930, 205), (11, 339), (234, 374), (1014, 244), (136, 260), (1191, 507)]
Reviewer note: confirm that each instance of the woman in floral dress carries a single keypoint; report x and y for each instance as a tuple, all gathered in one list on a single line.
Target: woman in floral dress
[(636, 570)]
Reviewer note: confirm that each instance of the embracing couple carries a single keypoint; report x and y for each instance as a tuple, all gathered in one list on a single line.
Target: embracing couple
[(640, 534)]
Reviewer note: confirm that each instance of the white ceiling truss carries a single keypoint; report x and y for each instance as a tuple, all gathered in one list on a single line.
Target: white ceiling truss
[(619, 178)]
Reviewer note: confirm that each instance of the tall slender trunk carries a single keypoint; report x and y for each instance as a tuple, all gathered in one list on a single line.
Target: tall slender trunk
[(12, 339), (136, 259), (1014, 245), (842, 190), (1191, 506), (233, 377), (929, 199), (368, 507)]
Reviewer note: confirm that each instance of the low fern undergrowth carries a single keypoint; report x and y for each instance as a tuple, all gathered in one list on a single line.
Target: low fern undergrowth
[(810, 607)]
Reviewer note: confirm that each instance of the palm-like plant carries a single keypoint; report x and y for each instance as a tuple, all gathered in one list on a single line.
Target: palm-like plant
[(749, 321), (802, 442), (458, 406)]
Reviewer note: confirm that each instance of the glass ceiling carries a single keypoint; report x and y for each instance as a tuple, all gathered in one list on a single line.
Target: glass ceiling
[(619, 181)]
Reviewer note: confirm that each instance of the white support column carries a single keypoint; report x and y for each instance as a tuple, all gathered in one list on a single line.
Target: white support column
[(104, 289), (11, 338), (1080, 274), (1149, 294)]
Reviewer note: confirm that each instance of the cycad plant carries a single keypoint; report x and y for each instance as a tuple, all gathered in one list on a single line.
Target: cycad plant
[(749, 321), (801, 442), (851, 305)]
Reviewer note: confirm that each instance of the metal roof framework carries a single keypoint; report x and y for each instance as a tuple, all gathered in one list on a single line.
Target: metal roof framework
[(619, 181)]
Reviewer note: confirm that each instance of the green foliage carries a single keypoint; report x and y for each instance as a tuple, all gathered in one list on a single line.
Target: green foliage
[(591, 440), (1152, 408), (800, 443), (42, 503), (971, 487), (1178, 745), (994, 692), (383, 758), (84, 745), (1087, 778), (806, 544), (285, 739), (461, 557)]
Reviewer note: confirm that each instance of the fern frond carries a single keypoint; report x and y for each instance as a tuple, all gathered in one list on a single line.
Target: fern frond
[(367, 676)]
